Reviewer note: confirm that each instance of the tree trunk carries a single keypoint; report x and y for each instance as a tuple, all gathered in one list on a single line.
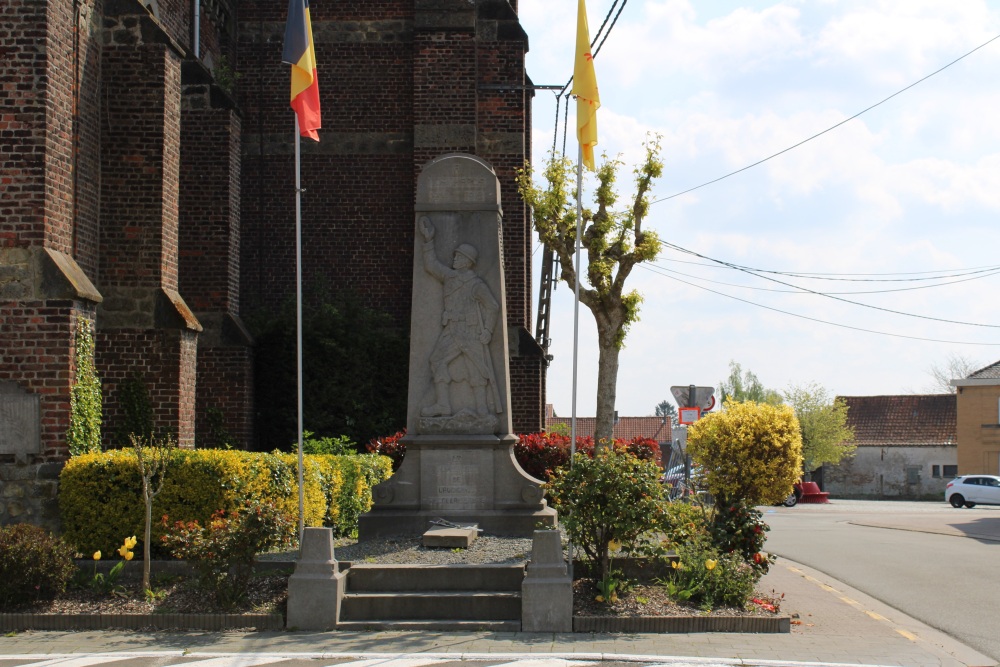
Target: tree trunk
[(607, 385), (147, 535)]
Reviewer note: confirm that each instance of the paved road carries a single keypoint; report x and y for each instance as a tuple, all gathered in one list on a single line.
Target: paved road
[(152, 659), (930, 561)]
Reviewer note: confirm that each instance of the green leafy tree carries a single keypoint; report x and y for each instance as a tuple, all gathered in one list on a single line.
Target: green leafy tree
[(826, 437), (667, 409), (85, 403), (614, 241), (749, 453), (745, 386)]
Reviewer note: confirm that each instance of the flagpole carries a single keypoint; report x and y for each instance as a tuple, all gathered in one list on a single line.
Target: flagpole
[(576, 323), (298, 315)]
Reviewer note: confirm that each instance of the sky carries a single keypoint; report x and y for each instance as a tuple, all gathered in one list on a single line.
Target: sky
[(895, 210)]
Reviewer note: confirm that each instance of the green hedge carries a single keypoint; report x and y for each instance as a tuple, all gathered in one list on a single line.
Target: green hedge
[(100, 495)]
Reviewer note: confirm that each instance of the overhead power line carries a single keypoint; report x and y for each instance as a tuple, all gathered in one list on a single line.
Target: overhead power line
[(816, 319), (797, 290), (833, 127), (830, 296)]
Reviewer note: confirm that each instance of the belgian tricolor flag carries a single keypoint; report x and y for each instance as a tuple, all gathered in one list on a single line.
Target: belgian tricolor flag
[(301, 55)]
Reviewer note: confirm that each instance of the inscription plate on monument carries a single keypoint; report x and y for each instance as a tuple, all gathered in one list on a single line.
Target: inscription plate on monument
[(462, 190), (20, 422), (461, 480)]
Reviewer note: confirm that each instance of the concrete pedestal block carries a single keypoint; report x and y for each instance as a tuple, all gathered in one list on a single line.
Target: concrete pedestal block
[(316, 589), (453, 538), (547, 591)]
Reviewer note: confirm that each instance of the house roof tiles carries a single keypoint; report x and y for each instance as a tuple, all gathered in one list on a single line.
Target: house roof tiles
[(903, 421), (627, 428), (991, 372)]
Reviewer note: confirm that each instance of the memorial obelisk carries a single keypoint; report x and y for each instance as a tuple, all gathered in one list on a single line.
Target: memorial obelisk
[(459, 464)]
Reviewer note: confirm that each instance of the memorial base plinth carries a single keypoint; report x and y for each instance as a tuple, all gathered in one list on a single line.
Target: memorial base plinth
[(463, 479)]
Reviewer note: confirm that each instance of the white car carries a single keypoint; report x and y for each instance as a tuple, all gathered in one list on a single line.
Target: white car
[(972, 490)]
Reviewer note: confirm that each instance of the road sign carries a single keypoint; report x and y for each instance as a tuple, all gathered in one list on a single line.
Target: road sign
[(704, 397), (688, 415)]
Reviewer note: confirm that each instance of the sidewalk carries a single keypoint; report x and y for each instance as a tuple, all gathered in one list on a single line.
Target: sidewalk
[(832, 624)]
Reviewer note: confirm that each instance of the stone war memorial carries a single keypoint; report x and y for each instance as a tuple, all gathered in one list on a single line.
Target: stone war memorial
[(459, 466)]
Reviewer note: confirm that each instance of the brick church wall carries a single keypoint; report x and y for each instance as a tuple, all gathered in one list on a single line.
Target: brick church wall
[(406, 83), (145, 328)]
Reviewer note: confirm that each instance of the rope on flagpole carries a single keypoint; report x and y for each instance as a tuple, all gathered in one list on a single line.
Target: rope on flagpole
[(298, 316)]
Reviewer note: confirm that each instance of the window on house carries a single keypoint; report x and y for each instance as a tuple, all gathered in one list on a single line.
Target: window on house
[(949, 471), (912, 474), (935, 471)]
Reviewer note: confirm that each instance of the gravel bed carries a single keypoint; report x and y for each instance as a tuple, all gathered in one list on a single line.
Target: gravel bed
[(410, 550)]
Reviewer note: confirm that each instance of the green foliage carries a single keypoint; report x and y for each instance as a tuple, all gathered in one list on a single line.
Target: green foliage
[(750, 453), (614, 241), (612, 497), (34, 565), (215, 434), (107, 584), (224, 550), (100, 495), (668, 410), (226, 77), (137, 411), (85, 403), (683, 523), (355, 372), (339, 446), (740, 529), (701, 574), (743, 386), (826, 437)]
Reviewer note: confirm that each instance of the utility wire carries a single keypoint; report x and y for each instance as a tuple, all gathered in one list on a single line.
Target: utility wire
[(815, 319), (819, 134), (830, 296), (959, 273), (799, 291)]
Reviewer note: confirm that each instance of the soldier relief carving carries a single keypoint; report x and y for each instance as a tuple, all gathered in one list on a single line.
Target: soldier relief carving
[(460, 363)]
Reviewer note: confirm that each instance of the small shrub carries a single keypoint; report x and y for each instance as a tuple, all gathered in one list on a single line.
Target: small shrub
[(541, 453), (34, 565), (223, 551), (702, 575), (612, 497), (390, 446), (683, 523), (741, 529), (339, 446)]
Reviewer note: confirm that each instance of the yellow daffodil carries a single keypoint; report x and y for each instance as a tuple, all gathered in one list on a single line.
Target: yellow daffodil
[(676, 564), (600, 598), (710, 564), (97, 555), (614, 545), (128, 555), (122, 551), (130, 542)]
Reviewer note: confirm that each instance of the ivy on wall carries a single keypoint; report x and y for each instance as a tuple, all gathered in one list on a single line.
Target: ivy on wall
[(84, 434)]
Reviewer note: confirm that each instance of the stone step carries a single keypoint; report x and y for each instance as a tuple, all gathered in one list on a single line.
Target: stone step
[(432, 605), (375, 577), (432, 626)]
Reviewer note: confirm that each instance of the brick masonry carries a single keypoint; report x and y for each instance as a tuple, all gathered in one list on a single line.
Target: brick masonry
[(139, 194)]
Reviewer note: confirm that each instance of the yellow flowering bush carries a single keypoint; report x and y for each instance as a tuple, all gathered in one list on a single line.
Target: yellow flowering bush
[(750, 452), (100, 494)]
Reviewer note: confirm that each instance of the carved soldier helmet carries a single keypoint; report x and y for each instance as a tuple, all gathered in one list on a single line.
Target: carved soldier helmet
[(468, 251)]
